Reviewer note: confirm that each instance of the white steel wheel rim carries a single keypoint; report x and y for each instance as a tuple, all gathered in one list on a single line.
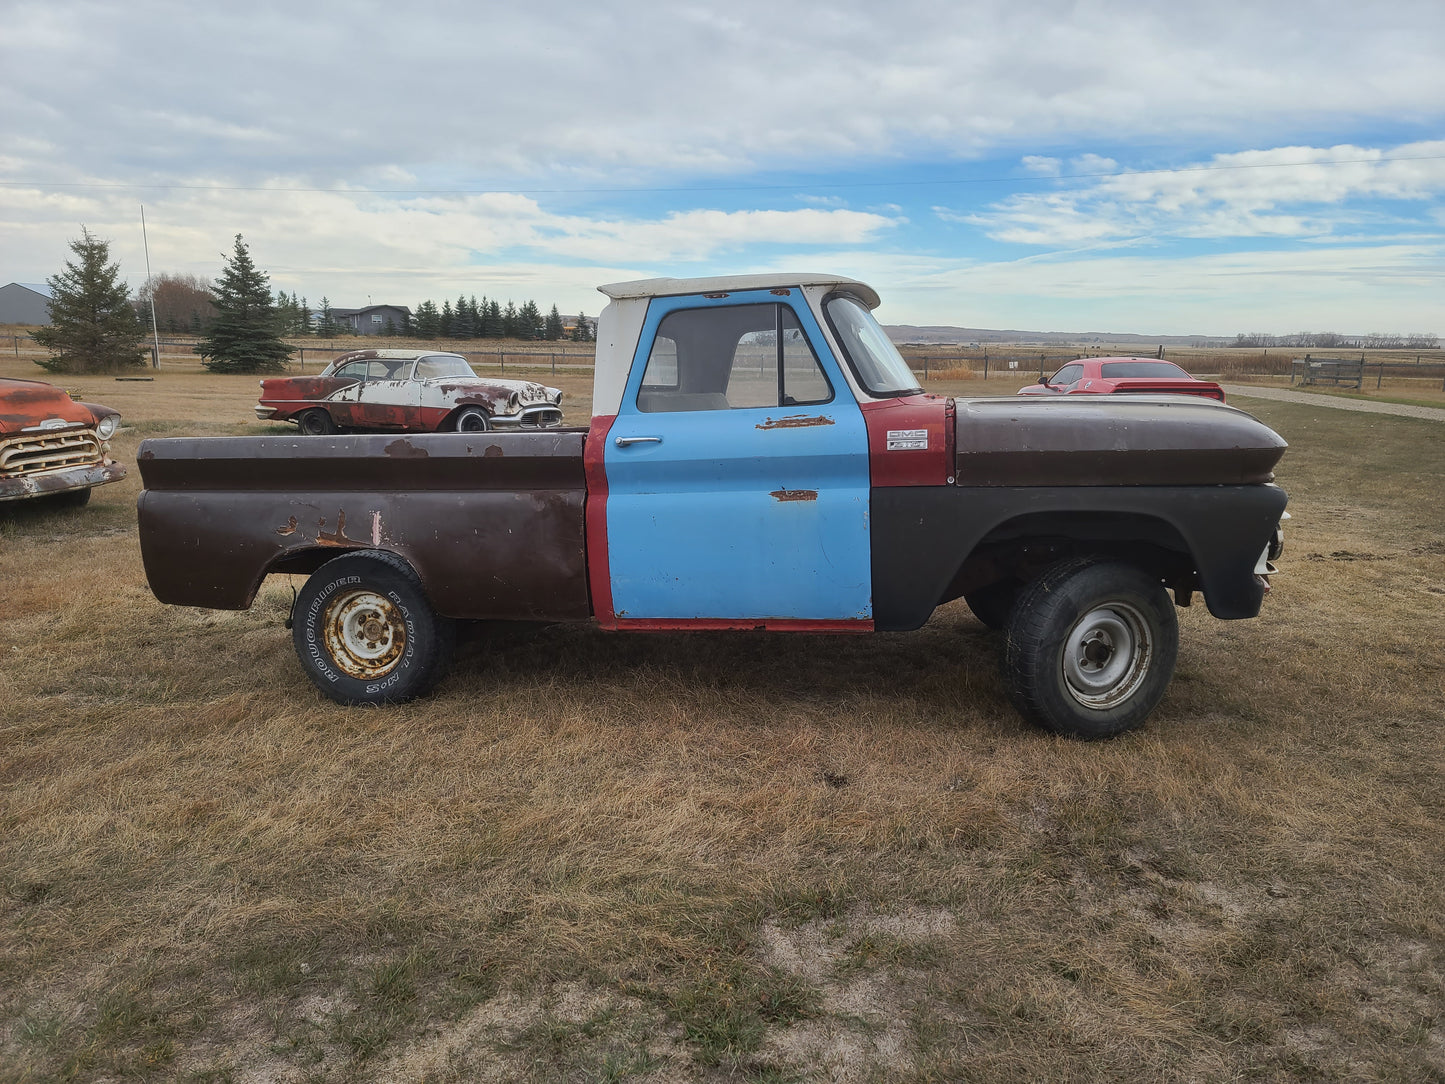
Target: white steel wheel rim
[(1107, 654), (365, 634)]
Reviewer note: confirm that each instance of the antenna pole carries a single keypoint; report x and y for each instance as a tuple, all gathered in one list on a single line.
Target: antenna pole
[(155, 335)]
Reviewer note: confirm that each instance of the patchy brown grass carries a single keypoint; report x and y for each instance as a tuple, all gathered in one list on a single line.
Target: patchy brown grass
[(719, 857)]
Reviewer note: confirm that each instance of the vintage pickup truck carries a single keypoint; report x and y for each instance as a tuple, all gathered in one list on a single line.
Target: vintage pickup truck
[(759, 457)]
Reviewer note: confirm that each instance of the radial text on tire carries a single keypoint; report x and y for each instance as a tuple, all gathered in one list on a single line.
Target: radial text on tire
[(365, 632), (1090, 648)]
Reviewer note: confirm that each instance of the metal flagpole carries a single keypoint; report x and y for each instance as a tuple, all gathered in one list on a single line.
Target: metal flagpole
[(155, 335)]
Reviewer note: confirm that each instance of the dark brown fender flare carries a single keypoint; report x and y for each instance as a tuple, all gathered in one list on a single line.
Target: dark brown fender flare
[(924, 536)]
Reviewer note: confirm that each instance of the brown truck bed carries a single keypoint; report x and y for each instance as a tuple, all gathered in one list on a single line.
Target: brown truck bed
[(492, 522)]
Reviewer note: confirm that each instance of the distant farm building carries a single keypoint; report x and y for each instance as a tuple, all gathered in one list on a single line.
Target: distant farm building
[(25, 303), (370, 320)]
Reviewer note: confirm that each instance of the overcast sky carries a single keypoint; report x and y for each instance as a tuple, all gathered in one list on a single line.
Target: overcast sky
[(1091, 166)]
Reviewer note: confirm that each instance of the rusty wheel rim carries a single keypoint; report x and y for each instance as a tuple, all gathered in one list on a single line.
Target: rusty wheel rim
[(1107, 655), (365, 634)]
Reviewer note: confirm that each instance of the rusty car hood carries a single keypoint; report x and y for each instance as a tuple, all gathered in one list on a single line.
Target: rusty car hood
[(1111, 440), (528, 391), (26, 404)]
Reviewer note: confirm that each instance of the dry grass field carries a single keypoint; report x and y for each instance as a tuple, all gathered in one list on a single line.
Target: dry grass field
[(593, 857)]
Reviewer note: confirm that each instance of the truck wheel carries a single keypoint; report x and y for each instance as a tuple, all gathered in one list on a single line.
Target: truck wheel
[(993, 604), (365, 632), (316, 423), (1090, 648), (472, 419)]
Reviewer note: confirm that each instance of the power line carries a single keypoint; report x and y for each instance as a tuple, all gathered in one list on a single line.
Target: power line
[(1034, 179)]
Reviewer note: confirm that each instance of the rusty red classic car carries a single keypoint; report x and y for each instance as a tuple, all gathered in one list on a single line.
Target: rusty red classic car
[(51, 445), (1116, 376), (406, 390)]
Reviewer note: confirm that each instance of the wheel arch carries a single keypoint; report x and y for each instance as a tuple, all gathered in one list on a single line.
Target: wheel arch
[(1024, 544), (931, 544)]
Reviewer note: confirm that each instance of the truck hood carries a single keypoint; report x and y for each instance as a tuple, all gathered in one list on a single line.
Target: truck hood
[(29, 404), (1080, 440)]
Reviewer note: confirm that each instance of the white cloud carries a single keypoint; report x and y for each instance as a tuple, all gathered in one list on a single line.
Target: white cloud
[(1087, 164), (514, 91), (1239, 195), (1041, 165), (335, 242)]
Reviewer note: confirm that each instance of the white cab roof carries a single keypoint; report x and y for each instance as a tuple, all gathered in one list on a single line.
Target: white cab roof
[(736, 283)]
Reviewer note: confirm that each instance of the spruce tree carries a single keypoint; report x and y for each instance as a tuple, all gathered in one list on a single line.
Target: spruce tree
[(530, 324), (326, 326), (93, 326), (553, 330), (244, 337), (581, 331)]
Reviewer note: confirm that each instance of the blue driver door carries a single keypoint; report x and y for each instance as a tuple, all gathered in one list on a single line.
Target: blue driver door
[(737, 469)]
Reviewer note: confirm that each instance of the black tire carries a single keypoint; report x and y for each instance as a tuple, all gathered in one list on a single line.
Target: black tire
[(472, 419), (1090, 648), (993, 604), (316, 423), (366, 633)]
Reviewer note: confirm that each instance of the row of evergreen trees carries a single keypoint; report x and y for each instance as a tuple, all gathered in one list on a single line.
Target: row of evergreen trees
[(468, 318)]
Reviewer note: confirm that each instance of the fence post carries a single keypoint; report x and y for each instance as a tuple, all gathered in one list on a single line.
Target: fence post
[(1041, 365), (1380, 376)]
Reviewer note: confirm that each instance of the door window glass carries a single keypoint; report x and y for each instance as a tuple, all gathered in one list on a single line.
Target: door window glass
[(1069, 374), (731, 358)]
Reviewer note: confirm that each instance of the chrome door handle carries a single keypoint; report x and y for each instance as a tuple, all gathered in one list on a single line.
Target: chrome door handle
[(623, 442)]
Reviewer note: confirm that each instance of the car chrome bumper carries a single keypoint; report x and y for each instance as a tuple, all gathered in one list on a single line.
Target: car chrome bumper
[(42, 483), (265, 413)]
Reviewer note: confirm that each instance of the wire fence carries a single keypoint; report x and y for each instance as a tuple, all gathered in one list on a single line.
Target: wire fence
[(931, 363)]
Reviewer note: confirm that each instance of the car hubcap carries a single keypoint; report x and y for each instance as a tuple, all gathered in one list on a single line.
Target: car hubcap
[(1107, 655), (365, 634)]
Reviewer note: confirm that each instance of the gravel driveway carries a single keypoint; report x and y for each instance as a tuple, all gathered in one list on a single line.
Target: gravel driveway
[(1403, 410)]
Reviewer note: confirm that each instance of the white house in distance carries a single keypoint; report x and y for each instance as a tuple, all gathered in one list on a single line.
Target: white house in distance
[(25, 303)]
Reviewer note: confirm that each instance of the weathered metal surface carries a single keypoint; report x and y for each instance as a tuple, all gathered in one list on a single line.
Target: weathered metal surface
[(1110, 441), (48, 442), (60, 481), (491, 535), (794, 495), (365, 633), (795, 421), (924, 535), (394, 392), (908, 440)]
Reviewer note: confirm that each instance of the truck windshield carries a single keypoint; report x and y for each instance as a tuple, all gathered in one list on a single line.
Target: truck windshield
[(874, 360)]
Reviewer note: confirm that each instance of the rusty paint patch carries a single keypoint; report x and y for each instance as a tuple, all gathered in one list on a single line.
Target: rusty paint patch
[(405, 449), (794, 494), (494, 451), (795, 421), (336, 537), (290, 526), (376, 529)]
